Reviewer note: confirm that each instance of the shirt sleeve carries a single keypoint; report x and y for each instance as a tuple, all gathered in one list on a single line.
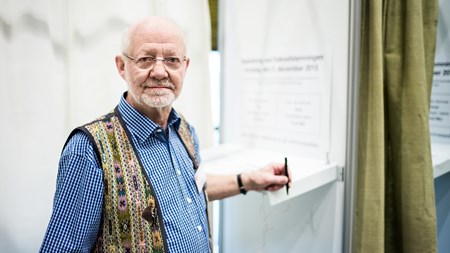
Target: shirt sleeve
[(78, 200)]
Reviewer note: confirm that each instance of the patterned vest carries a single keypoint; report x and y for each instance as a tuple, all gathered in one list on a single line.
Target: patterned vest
[(131, 217)]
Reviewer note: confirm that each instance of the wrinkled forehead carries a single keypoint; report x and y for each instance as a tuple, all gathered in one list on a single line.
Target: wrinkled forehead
[(151, 35), (157, 49)]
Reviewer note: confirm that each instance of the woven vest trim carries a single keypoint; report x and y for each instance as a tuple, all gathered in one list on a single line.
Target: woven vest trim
[(128, 193)]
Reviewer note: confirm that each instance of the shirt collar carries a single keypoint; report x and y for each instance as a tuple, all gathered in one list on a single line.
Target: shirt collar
[(140, 125)]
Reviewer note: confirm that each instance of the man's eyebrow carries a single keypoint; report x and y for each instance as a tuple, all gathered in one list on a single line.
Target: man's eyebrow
[(153, 53)]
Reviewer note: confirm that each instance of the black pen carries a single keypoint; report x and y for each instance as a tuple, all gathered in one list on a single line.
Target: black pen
[(287, 175)]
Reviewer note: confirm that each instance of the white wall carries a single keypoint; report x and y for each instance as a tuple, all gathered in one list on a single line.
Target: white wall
[(312, 222), (57, 72)]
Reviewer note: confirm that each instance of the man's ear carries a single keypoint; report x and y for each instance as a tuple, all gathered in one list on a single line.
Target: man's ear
[(120, 64), (188, 60)]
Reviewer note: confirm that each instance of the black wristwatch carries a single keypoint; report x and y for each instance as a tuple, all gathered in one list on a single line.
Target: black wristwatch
[(241, 187)]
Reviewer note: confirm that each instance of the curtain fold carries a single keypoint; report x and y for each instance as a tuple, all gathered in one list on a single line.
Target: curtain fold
[(395, 210), (57, 71)]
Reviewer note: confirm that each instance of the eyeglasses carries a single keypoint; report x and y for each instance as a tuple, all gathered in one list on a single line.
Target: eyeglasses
[(148, 62)]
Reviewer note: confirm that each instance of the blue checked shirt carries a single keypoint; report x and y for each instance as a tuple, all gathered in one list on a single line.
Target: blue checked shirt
[(77, 207)]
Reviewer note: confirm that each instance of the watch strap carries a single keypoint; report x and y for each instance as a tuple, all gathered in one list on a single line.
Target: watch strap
[(241, 186)]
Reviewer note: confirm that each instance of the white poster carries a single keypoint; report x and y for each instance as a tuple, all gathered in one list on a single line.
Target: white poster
[(440, 94), (440, 103), (285, 99)]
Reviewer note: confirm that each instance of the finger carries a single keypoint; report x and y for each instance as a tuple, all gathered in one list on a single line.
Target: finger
[(278, 168), (282, 180), (273, 188)]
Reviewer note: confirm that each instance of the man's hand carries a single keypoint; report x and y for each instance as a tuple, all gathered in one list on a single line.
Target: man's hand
[(270, 177)]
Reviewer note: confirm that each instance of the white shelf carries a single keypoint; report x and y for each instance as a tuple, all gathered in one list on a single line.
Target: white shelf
[(307, 174), (320, 176), (440, 154)]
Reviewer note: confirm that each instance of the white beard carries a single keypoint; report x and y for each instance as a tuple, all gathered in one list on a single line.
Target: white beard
[(158, 98)]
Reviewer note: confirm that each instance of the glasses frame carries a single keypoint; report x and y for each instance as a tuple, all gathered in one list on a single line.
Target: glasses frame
[(162, 59)]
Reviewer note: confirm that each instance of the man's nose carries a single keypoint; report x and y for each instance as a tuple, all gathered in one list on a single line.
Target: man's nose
[(158, 70)]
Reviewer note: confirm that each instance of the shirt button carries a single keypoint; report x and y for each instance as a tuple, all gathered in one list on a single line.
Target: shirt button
[(189, 200), (178, 172), (159, 130), (199, 228)]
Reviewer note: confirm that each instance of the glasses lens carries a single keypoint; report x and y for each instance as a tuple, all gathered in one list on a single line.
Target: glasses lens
[(145, 62), (149, 62), (172, 62)]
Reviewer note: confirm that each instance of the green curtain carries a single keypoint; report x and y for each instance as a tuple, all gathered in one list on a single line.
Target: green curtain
[(214, 15), (395, 209)]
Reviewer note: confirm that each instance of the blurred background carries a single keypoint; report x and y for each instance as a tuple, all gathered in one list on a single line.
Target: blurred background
[(57, 71)]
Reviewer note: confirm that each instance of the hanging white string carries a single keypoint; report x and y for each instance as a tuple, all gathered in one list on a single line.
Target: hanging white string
[(265, 219)]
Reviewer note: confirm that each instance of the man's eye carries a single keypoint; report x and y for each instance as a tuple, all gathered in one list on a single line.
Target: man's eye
[(172, 60), (146, 59)]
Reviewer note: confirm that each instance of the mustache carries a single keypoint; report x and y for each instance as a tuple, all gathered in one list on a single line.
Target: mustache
[(158, 83)]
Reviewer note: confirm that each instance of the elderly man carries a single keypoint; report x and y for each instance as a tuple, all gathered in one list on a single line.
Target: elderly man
[(129, 181)]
